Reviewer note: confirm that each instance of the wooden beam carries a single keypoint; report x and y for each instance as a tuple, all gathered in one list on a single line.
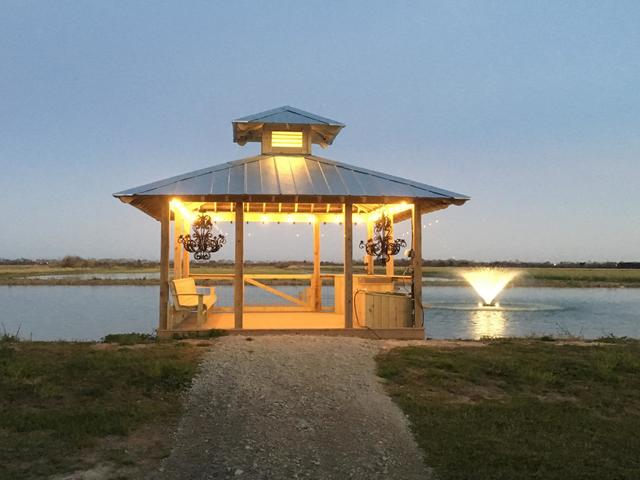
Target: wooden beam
[(416, 232), (177, 247), (391, 264), (238, 281), (186, 228), (316, 282), (164, 264), (369, 258), (348, 267)]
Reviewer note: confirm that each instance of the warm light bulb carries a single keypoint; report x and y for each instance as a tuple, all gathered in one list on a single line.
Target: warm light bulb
[(177, 205)]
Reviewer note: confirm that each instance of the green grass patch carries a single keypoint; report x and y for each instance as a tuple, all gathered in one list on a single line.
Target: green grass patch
[(211, 333), (129, 338), (60, 401), (522, 409)]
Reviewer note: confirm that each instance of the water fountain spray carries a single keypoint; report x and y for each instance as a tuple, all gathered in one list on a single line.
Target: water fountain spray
[(488, 283)]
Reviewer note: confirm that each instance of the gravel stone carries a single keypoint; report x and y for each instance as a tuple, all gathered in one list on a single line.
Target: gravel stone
[(292, 407)]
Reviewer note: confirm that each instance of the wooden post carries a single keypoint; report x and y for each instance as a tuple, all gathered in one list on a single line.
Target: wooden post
[(238, 280), (416, 231), (348, 267), (177, 247), (186, 228), (164, 264), (369, 258), (390, 264), (316, 283)]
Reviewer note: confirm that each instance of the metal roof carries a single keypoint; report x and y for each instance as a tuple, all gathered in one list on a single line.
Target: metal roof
[(297, 175), (249, 128), (288, 115), (288, 178)]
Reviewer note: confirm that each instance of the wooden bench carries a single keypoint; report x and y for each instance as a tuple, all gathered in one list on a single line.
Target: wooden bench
[(186, 299)]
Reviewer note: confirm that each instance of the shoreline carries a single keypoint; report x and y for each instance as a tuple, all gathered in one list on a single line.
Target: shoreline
[(119, 282), (12, 275)]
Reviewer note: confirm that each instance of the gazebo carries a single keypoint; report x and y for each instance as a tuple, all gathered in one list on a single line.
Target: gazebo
[(286, 183)]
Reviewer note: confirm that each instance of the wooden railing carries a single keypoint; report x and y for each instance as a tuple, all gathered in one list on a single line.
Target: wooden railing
[(294, 304), (258, 280)]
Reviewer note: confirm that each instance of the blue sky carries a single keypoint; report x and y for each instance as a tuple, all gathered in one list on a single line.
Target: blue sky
[(531, 108)]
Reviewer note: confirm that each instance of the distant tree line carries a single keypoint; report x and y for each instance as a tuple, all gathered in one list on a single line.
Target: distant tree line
[(74, 261)]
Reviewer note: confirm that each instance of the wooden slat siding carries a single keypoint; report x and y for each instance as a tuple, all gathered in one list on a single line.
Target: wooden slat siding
[(317, 282), (177, 247), (391, 263), (416, 229), (186, 228), (348, 267), (238, 281), (369, 258), (164, 265)]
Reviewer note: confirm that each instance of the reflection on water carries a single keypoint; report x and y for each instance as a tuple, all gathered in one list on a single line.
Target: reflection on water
[(488, 322), (587, 312), (85, 312)]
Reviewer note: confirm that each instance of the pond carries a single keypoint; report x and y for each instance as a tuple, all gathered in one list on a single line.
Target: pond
[(90, 312)]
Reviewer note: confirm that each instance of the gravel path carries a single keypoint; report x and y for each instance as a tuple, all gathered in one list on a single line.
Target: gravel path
[(289, 407)]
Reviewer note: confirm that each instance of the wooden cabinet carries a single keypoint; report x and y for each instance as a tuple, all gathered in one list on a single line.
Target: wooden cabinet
[(365, 286), (387, 310)]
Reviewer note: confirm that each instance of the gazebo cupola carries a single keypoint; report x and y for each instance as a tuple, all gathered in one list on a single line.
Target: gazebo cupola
[(286, 130)]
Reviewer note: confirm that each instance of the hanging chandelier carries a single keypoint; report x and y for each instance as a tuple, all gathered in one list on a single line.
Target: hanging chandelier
[(382, 245), (202, 243)]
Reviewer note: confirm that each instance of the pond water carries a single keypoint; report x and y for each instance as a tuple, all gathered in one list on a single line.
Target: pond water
[(90, 312)]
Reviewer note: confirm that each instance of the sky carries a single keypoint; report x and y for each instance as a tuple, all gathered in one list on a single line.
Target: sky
[(530, 108)]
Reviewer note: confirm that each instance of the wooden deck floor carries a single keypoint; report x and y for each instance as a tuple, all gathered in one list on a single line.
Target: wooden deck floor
[(290, 323), (270, 321)]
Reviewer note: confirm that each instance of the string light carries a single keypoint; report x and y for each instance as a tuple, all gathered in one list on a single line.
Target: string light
[(358, 218)]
